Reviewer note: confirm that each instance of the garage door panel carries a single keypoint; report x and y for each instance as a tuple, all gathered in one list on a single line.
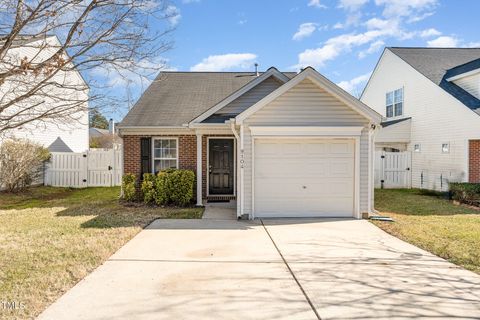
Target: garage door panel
[(329, 208), (304, 177), (341, 168)]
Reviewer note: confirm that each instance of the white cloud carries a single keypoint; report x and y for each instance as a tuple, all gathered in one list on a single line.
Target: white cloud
[(190, 1), (333, 47), (420, 17), (374, 47), (430, 33), (224, 62), (391, 24), (353, 85), (404, 8), (304, 30), (376, 23), (473, 45), (316, 4), (173, 14), (352, 4), (443, 42), (242, 22)]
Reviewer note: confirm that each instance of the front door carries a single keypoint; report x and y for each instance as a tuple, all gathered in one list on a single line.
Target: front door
[(220, 169)]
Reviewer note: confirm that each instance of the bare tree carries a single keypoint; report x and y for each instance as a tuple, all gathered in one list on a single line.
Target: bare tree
[(45, 45)]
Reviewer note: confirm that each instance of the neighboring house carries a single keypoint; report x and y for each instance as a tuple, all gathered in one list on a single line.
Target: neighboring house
[(57, 135), (103, 138), (429, 98), (280, 144)]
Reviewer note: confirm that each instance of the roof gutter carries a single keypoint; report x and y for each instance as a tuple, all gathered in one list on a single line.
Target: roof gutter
[(152, 127)]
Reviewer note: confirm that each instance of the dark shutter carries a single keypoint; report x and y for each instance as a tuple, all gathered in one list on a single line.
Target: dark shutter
[(145, 156)]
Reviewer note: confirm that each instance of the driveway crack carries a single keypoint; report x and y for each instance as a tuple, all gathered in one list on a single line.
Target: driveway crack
[(291, 272)]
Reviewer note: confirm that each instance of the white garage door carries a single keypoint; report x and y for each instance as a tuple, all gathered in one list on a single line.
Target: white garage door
[(304, 178)]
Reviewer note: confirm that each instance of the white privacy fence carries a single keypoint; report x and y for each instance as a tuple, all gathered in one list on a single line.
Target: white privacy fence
[(93, 168), (393, 169)]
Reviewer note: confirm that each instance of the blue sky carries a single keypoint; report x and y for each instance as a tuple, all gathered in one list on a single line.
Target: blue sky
[(342, 39)]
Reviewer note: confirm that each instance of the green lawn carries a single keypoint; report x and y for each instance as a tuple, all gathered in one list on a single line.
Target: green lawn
[(50, 238), (433, 223)]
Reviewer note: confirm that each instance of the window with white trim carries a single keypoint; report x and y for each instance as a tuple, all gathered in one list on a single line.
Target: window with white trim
[(394, 103), (165, 154), (445, 147), (416, 147)]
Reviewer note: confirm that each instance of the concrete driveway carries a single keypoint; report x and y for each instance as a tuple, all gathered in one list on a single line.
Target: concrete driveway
[(284, 269)]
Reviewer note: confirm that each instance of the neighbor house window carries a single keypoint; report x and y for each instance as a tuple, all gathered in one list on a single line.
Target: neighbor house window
[(394, 103), (445, 147), (165, 154), (416, 148)]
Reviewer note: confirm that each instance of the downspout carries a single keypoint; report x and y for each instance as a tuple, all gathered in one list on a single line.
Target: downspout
[(239, 165), (372, 132), (242, 180)]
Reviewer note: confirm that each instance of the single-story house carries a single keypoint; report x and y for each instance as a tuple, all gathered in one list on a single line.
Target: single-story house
[(280, 144), (430, 101)]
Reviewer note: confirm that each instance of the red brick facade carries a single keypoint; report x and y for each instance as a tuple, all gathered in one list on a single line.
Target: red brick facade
[(474, 161), (187, 154)]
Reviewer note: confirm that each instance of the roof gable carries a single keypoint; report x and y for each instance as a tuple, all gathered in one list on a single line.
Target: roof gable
[(245, 96), (438, 64), (59, 146), (322, 82)]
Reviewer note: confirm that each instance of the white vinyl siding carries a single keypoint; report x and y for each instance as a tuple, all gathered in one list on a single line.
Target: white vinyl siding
[(251, 97), (471, 84), (307, 105), (395, 133), (73, 132), (436, 117)]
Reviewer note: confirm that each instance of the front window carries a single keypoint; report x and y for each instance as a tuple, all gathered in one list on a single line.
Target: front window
[(165, 154), (394, 103)]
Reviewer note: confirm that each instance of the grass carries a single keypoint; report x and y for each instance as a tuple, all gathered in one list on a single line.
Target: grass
[(433, 223), (50, 238)]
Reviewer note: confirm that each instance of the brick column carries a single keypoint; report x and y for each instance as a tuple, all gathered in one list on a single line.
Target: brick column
[(474, 161)]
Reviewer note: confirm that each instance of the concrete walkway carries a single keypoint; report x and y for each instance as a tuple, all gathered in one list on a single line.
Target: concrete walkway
[(220, 211), (287, 269)]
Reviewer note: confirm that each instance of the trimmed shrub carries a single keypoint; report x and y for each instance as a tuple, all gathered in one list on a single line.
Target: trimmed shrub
[(171, 186), (161, 197), (148, 188), (466, 192), (179, 186), (128, 187)]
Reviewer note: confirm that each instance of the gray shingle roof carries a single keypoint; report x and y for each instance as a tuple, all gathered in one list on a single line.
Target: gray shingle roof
[(435, 63), (59, 146), (391, 122), (176, 98)]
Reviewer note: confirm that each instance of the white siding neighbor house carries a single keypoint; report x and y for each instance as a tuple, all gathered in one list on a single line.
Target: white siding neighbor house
[(59, 135), (429, 98), (276, 144)]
